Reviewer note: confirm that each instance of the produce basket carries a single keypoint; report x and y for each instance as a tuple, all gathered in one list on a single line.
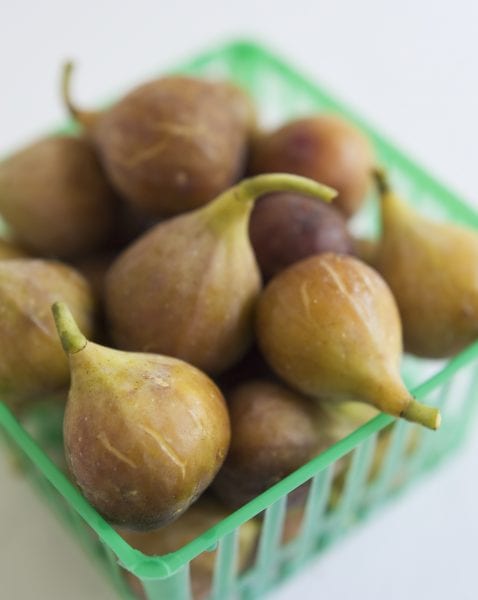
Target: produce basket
[(329, 511)]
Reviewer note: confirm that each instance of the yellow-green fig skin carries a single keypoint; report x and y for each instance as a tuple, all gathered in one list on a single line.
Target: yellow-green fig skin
[(329, 326), (179, 292), (432, 270), (32, 362), (188, 287), (144, 434)]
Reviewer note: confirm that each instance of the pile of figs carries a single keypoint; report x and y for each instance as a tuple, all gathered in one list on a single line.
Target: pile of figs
[(188, 283)]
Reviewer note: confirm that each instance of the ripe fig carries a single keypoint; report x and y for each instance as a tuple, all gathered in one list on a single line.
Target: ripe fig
[(287, 227), (172, 144), (432, 271), (329, 326), (273, 433), (144, 434), (55, 197), (32, 363), (323, 147)]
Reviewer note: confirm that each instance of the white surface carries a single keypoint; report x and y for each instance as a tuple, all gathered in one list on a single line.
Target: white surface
[(410, 67)]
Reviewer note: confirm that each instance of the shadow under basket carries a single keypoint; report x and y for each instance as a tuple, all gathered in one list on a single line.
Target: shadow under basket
[(331, 500)]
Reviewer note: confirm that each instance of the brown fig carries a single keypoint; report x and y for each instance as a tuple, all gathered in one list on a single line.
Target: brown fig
[(32, 362), (273, 433), (329, 326), (200, 517), (55, 197), (172, 144), (325, 148), (144, 434), (286, 228), (432, 270), (187, 288)]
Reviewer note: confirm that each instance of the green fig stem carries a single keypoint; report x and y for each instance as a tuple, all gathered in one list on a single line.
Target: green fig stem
[(428, 416), (238, 201), (72, 339), (252, 188), (381, 180), (86, 118)]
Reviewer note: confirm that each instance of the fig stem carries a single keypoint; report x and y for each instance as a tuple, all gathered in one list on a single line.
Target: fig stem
[(428, 416), (252, 188), (72, 339), (381, 180), (66, 74), (86, 118)]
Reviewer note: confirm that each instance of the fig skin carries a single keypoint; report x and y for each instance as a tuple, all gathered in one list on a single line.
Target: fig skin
[(431, 268), (144, 434), (33, 363), (329, 326), (200, 517), (286, 227), (273, 433), (55, 197), (172, 144), (10, 250), (325, 148)]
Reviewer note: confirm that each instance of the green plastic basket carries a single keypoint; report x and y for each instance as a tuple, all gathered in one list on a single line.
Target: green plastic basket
[(281, 92)]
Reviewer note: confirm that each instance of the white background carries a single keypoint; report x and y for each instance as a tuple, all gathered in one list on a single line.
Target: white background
[(412, 69)]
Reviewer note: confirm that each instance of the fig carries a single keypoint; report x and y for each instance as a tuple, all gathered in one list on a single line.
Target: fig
[(273, 433), (287, 227), (32, 363), (144, 434), (432, 271), (329, 326), (55, 197), (323, 147), (172, 144), (200, 517), (187, 288)]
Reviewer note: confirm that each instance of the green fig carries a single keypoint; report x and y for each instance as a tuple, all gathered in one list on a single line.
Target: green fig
[(172, 144), (187, 288), (55, 197), (32, 363), (329, 327), (432, 271), (144, 434)]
